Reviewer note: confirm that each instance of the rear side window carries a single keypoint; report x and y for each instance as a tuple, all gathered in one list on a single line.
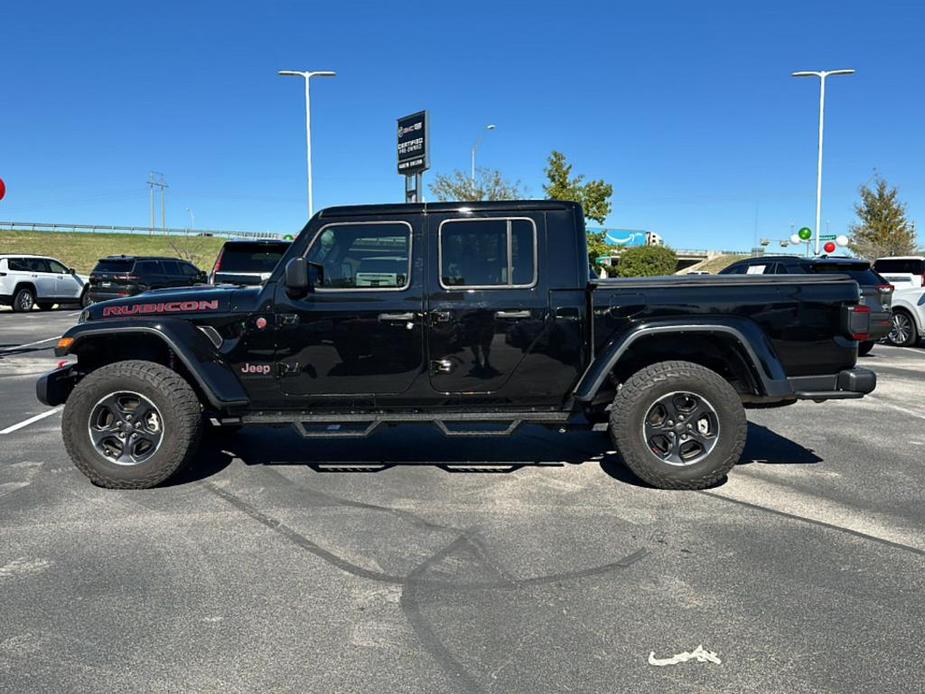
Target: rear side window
[(734, 270), (148, 267), (17, 265), (488, 253), (858, 272), (913, 266), (251, 257), (111, 265), (172, 267)]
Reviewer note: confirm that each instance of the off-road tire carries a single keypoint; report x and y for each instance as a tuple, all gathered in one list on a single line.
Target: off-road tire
[(23, 295), (85, 299), (44, 306), (180, 414), (865, 347), (642, 390)]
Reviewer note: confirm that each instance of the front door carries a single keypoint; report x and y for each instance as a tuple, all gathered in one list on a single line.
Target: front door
[(359, 332), (487, 304)]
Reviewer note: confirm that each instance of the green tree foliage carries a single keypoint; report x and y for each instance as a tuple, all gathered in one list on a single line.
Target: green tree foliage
[(594, 196), (647, 261), (489, 184), (882, 228)]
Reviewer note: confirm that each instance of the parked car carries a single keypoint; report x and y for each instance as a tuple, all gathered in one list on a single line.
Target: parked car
[(908, 317), (876, 291), (903, 264), (34, 280), (118, 276), (901, 280), (475, 317), (247, 262)]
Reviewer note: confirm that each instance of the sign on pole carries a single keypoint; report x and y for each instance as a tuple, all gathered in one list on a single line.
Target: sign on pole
[(413, 142)]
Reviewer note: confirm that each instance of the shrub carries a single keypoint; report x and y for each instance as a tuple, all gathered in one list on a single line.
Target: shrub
[(647, 261)]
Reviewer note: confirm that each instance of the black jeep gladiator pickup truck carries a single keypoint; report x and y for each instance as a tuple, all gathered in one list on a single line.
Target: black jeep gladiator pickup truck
[(475, 317)]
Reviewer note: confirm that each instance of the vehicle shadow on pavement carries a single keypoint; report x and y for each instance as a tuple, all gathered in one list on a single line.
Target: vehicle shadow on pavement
[(422, 445)]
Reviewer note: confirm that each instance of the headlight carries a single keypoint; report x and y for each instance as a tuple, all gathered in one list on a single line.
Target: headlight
[(84, 316)]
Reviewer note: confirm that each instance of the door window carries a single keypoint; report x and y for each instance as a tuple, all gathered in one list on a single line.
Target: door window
[(363, 256), (487, 253), (171, 267), (57, 267), (148, 267)]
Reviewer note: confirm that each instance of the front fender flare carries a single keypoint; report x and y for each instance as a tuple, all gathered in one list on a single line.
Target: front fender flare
[(206, 365), (763, 362)]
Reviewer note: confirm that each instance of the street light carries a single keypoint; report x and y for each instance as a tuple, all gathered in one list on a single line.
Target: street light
[(821, 74), (475, 147), (192, 218), (308, 121)]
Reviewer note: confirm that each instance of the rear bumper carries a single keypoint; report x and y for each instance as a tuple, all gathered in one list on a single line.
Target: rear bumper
[(54, 387), (850, 383)]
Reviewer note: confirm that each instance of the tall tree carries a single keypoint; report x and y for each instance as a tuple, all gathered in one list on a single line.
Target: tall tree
[(594, 196), (488, 184), (647, 261), (882, 228)]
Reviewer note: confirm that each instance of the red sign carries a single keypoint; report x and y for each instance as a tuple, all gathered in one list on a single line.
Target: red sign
[(2, 189)]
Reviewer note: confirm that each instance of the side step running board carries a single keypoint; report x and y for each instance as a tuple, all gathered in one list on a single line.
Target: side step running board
[(450, 424)]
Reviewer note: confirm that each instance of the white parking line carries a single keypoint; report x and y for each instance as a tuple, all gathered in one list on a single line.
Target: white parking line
[(914, 350), (31, 420), (904, 410), (29, 344)]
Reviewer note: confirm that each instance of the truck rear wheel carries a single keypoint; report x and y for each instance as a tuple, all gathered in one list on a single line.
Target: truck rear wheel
[(131, 424), (678, 425)]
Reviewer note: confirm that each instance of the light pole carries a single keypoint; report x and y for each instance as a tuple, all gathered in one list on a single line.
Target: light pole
[(475, 147), (308, 121), (821, 74), (192, 219)]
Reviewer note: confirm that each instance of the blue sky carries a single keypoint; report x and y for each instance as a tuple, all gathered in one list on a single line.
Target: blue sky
[(687, 108)]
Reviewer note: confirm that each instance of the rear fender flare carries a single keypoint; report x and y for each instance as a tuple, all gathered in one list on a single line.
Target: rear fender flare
[(766, 367)]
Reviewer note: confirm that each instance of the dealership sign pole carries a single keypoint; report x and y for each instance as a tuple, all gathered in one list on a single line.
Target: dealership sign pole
[(413, 152)]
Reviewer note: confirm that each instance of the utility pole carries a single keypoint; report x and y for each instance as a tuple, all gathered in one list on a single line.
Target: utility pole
[(156, 180)]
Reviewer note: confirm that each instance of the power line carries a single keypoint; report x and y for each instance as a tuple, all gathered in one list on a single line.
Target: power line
[(156, 180)]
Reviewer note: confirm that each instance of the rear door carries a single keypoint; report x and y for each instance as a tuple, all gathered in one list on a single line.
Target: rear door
[(487, 300), (46, 286)]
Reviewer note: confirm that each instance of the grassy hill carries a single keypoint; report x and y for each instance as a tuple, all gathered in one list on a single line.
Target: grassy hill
[(714, 264), (81, 251)]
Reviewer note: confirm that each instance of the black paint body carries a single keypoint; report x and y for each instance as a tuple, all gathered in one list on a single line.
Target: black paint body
[(556, 345)]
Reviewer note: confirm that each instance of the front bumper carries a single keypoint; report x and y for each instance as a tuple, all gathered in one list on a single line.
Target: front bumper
[(850, 383), (54, 387)]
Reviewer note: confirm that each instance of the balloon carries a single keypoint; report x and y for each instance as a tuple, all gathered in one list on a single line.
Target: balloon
[(841, 240), (805, 233), (795, 239), (2, 189), (829, 247)]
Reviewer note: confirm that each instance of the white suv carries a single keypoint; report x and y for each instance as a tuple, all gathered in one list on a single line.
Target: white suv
[(34, 280)]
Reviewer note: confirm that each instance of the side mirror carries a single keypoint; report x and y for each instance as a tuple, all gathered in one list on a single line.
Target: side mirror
[(296, 278), (72, 271)]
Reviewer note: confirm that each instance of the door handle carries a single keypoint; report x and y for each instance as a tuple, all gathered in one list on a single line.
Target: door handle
[(440, 316), (512, 314), (397, 316)]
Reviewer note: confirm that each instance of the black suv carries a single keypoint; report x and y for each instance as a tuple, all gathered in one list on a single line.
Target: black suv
[(877, 292), (119, 276), (247, 262)]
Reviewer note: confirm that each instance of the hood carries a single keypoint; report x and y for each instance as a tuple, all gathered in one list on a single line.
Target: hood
[(176, 302)]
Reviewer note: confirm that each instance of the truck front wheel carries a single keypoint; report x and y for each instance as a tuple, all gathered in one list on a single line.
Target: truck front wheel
[(678, 425), (131, 424)]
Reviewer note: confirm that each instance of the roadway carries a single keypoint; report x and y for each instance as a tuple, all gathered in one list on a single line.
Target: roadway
[(402, 563)]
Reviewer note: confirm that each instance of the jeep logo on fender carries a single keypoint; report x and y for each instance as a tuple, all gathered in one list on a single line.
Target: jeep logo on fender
[(259, 369), (167, 307)]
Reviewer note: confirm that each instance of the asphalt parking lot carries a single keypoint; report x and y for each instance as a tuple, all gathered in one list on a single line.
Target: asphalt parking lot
[(410, 563)]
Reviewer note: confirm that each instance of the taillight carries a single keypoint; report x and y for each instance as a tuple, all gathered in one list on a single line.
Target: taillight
[(857, 322), (218, 262), (886, 288)]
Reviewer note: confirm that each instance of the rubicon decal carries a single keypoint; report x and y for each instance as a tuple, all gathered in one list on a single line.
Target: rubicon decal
[(166, 307)]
